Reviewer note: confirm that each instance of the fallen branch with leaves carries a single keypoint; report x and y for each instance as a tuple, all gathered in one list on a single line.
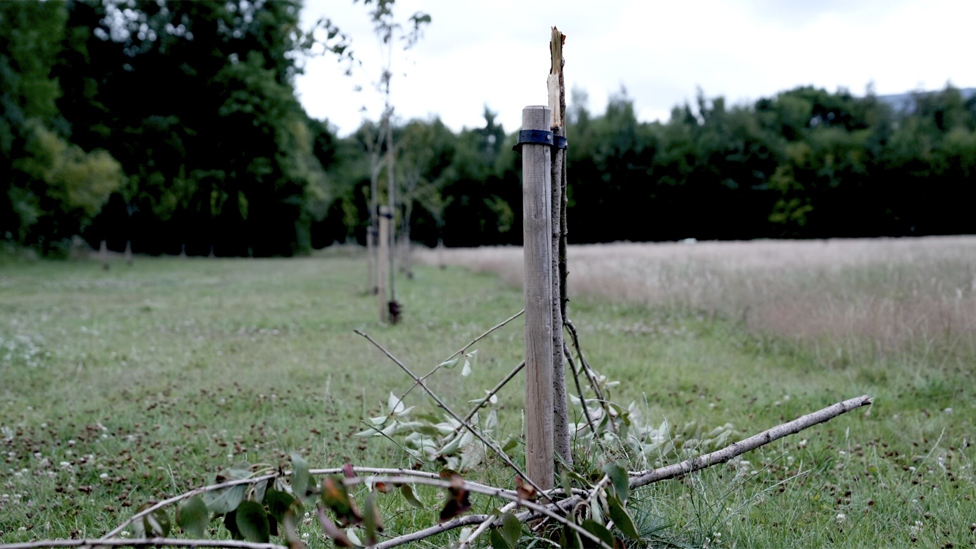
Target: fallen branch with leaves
[(609, 492)]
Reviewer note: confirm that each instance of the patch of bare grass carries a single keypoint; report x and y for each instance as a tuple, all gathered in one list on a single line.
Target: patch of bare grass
[(878, 294)]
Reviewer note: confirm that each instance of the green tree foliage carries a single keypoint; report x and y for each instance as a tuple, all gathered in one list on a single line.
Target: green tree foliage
[(196, 100), (174, 124), (52, 187)]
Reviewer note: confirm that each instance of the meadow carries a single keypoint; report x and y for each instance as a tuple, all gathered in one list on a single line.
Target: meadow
[(131, 384)]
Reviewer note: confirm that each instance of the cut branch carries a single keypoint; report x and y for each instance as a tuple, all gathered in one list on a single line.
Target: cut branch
[(174, 499), (582, 396), (485, 524), (585, 366), (406, 476), (550, 510), (644, 478), (490, 394), (153, 542), (458, 418), (457, 522), (458, 352)]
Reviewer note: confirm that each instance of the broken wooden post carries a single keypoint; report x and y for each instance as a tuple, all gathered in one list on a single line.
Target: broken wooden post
[(382, 262), (557, 104), (537, 233)]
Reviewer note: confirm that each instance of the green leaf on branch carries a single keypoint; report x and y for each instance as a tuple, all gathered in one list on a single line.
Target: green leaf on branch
[(510, 445), (567, 482), (497, 540), (571, 538), (449, 364), (407, 492), (372, 520), (511, 529), (225, 500), (230, 522), (192, 516), (279, 503), (599, 531), (620, 480), (252, 522), (299, 476), (622, 519), (256, 491), (156, 524), (396, 406)]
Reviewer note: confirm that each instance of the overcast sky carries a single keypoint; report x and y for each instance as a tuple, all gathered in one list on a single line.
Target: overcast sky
[(496, 53)]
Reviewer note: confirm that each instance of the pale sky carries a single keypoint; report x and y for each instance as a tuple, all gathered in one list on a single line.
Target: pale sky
[(496, 53)]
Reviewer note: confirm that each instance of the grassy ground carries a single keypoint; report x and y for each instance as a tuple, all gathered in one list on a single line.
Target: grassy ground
[(124, 386)]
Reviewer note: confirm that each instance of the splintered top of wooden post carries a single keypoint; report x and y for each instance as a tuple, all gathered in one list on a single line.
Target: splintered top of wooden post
[(556, 50), (555, 73)]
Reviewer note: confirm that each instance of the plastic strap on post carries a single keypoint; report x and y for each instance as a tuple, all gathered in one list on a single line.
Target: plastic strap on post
[(540, 137)]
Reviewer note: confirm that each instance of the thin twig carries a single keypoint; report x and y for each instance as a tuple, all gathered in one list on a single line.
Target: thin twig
[(456, 353), (457, 522), (374, 471), (490, 394), (453, 414), (255, 480), (191, 493), (582, 397), (643, 478), (585, 366), (484, 335), (547, 510), (596, 489), (153, 542), (485, 525), (399, 472)]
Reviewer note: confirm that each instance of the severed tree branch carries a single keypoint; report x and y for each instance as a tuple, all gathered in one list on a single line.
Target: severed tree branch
[(458, 352), (405, 476), (458, 418), (490, 394), (552, 510), (582, 397), (148, 542), (484, 335), (643, 478), (585, 366), (186, 495), (489, 520), (457, 522), (254, 480)]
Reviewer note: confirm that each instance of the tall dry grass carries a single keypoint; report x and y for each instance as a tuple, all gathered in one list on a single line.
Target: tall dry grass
[(878, 294)]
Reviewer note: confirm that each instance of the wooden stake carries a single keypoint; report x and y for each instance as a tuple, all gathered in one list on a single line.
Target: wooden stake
[(537, 233), (382, 263)]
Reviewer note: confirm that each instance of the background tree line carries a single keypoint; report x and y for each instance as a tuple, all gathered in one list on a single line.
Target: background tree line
[(174, 125)]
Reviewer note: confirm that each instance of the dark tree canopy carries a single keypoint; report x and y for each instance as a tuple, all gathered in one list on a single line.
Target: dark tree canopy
[(174, 125)]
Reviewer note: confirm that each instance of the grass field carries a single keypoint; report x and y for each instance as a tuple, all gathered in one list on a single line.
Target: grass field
[(132, 384)]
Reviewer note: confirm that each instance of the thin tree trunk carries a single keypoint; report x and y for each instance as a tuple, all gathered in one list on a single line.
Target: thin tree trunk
[(561, 438), (391, 192)]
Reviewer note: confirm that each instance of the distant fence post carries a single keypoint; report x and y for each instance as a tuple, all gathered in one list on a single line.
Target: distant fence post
[(382, 263), (537, 233)]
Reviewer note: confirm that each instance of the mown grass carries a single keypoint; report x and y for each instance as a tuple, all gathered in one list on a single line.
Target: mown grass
[(128, 385)]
